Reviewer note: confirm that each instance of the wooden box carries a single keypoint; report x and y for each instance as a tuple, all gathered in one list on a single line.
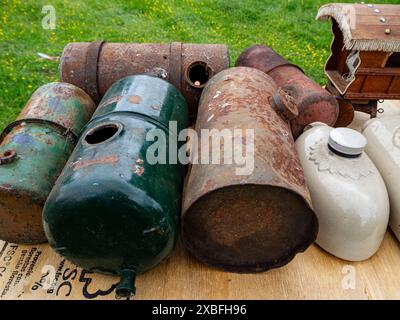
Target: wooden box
[(365, 52)]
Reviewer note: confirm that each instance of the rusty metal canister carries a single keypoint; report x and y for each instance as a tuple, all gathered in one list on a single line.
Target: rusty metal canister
[(313, 102), (260, 220), (33, 151), (95, 66)]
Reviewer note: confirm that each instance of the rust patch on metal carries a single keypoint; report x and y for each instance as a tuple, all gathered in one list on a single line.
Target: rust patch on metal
[(55, 110), (92, 59), (134, 99), (175, 64), (346, 113), (6, 186), (247, 223), (313, 102), (115, 61), (87, 163), (21, 216), (138, 167), (284, 105), (52, 109)]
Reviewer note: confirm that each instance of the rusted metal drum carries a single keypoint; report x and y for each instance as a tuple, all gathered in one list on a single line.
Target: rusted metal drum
[(95, 66), (346, 113), (33, 151), (314, 103), (253, 222)]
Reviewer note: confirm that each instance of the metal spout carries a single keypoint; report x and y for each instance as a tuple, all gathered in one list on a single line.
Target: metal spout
[(126, 287)]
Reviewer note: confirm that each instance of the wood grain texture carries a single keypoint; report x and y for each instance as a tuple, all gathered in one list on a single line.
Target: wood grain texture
[(311, 275)]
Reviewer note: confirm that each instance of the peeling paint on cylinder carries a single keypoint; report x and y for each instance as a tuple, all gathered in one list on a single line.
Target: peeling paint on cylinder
[(112, 210), (94, 67), (247, 223), (37, 146), (314, 103)]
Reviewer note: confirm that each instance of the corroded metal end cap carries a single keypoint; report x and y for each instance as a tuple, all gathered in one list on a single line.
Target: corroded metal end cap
[(248, 228), (284, 105), (262, 58)]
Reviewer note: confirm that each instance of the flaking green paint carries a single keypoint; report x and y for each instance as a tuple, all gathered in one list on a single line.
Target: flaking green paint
[(41, 153), (111, 211)]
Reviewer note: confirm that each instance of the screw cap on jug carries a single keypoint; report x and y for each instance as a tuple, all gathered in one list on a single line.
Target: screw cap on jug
[(347, 141)]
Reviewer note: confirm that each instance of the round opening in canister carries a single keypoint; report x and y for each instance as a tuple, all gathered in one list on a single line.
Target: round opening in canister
[(198, 73), (8, 156), (102, 133)]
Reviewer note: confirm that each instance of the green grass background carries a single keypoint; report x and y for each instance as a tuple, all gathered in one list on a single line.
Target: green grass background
[(288, 26)]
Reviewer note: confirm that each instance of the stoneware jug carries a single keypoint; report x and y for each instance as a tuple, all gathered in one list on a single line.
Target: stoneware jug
[(347, 191), (383, 148)]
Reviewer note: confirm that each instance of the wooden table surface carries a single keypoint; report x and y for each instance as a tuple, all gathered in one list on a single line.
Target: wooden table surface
[(36, 272)]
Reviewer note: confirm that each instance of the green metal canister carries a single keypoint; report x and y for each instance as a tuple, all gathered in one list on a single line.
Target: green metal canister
[(33, 151), (111, 210)]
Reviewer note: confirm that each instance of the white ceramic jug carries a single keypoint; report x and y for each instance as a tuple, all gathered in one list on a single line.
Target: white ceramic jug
[(347, 191), (383, 148)]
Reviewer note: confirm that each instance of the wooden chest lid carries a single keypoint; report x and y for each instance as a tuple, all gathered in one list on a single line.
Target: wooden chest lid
[(366, 27)]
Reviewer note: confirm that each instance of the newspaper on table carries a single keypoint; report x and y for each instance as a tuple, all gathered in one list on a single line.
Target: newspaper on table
[(37, 272)]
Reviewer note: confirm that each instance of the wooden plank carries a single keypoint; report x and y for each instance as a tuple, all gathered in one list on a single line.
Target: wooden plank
[(395, 85), (377, 85), (311, 275), (378, 71), (337, 80), (371, 96)]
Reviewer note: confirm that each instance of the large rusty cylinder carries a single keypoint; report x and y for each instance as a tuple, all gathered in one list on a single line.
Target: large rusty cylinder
[(259, 220), (113, 210), (313, 102), (94, 67), (33, 151)]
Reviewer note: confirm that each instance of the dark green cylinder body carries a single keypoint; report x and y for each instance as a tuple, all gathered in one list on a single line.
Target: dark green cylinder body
[(112, 210)]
